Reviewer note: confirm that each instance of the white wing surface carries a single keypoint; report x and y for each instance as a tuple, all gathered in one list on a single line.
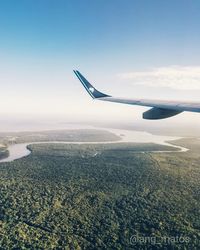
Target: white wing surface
[(160, 109)]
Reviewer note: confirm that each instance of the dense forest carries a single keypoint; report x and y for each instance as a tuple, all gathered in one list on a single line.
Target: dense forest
[(99, 197)]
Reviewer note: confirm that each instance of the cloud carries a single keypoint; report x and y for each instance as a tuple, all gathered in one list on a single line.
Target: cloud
[(176, 77)]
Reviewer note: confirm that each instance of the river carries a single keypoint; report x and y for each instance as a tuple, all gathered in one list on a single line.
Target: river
[(17, 151)]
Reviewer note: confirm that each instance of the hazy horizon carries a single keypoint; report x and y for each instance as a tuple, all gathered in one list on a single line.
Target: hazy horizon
[(30, 123)]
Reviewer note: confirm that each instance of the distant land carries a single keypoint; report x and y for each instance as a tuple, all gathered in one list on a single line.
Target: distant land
[(169, 128)]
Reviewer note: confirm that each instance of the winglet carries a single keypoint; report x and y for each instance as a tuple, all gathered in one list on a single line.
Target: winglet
[(94, 93)]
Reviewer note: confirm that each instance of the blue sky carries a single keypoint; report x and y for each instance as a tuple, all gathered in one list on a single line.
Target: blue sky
[(131, 32), (129, 48)]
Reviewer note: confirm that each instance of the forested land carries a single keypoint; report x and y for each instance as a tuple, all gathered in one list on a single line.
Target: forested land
[(78, 135), (99, 196)]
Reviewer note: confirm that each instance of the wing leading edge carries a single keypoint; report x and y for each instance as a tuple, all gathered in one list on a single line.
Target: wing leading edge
[(159, 109)]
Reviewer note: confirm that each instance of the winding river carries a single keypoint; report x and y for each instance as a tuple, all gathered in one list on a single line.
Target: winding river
[(17, 151)]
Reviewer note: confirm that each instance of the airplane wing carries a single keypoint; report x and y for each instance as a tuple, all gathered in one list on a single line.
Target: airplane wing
[(160, 109)]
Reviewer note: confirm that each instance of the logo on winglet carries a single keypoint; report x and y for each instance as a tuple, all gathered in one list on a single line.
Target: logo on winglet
[(91, 89)]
